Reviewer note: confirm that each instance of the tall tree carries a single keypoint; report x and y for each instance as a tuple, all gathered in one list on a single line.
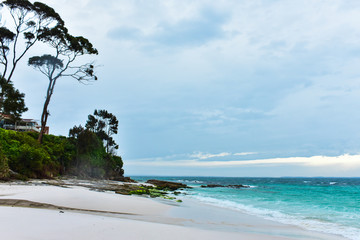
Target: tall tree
[(67, 49), (28, 24), (21, 28), (12, 103), (104, 124)]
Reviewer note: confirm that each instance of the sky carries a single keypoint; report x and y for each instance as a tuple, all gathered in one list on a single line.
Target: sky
[(216, 88)]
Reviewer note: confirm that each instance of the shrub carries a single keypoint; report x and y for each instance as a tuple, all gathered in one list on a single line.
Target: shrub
[(4, 167), (84, 156)]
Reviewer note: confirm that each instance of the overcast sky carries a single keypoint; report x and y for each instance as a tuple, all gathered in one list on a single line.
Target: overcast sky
[(221, 88)]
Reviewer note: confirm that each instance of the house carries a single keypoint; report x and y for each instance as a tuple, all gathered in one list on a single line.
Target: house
[(24, 125)]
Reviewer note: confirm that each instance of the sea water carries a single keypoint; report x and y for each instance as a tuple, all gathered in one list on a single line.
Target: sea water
[(329, 205)]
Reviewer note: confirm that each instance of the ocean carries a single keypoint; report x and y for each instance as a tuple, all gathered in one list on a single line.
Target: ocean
[(329, 205)]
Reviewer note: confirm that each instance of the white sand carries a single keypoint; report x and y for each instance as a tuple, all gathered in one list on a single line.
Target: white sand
[(78, 197), (153, 219)]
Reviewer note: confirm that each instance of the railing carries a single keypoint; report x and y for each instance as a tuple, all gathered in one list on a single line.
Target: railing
[(21, 128)]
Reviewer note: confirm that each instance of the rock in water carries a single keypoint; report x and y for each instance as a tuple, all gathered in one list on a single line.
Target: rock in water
[(238, 186), (211, 186), (167, 185)]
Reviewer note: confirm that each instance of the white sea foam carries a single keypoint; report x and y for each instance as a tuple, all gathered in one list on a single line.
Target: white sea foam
[(332, 183), (190, 181), (304, 222)]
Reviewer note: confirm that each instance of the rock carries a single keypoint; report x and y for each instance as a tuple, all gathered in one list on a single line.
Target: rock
[(211, 186), (123, 179), (167, 185), (238, 186), (123, 192)]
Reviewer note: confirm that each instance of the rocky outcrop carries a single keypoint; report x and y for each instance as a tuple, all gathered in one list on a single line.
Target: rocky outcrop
[(167, 185), (123, 179)]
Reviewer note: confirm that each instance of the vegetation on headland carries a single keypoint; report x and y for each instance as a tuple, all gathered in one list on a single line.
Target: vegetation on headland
[(83, 154)]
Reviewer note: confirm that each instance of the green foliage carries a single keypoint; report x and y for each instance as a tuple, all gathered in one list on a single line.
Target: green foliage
[(26, 157), (4, 167), (49, 61), (11, 100), (91, 158), (58, 155), (104, 124)]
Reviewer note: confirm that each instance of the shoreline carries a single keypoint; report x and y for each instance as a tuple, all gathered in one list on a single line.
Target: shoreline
[(79, 210)]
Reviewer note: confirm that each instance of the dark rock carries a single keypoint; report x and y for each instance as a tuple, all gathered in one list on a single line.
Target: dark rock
[(238, 186), (167, 185), (123, 179)]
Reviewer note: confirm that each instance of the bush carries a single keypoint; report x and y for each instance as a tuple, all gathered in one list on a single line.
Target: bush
[(27, 157), (4, 167), (84, 156)]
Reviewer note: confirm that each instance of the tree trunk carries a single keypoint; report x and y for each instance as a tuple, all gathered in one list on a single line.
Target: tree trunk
[(44, 117), (45, 113)]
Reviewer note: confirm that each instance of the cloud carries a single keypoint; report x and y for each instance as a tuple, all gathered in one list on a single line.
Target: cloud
[(225, 116), (245, 153), (126, 33), (344, 161), (195, 31), (192, 32), (276, 77), (208, 155)]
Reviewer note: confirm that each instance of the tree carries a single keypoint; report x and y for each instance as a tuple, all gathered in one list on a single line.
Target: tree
[(27, 22), (12, 102), (95, 146), (62, 64), (104, 124)]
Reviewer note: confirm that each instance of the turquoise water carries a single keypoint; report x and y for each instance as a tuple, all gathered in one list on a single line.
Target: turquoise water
[(330, 205)]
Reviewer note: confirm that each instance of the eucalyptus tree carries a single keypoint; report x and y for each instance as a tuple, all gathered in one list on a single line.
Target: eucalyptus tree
[(67, 49), (104, 124), (27, 23), (21, 24)]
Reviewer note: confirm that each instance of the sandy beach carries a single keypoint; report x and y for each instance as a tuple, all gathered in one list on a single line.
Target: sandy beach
[(41, 211)]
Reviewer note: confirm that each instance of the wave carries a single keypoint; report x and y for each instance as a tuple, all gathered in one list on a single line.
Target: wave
[(313, 224), (190, 181)]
